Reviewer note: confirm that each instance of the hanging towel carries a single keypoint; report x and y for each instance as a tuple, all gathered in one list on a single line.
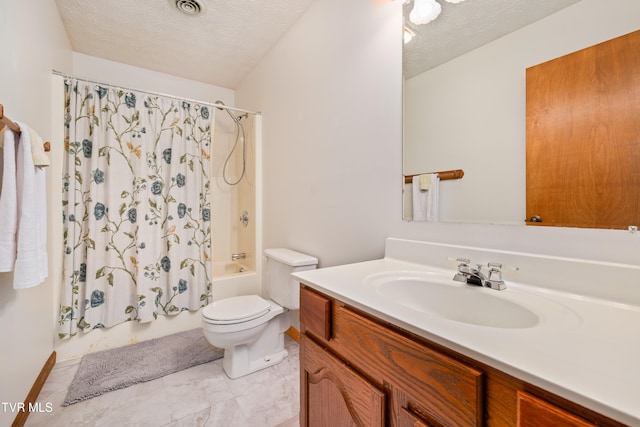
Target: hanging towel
[(8, 202), (37, 149), (433, 195), (419, 200), (31, 266), (425, 181), (425, 202)]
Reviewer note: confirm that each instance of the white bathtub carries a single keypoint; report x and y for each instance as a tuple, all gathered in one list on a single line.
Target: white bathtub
[(223, 268), (232, 279)]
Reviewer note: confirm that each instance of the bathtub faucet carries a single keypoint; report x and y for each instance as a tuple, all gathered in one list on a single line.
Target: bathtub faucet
[(235, 257)]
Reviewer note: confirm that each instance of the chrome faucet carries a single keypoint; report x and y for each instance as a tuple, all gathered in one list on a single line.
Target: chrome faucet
[(241, 255), (476, 276)]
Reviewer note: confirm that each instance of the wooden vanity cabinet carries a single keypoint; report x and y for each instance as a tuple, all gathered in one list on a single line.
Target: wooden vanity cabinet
[(358, 370)]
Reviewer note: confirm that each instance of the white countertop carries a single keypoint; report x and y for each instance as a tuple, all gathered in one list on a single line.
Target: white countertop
[(584, 349)]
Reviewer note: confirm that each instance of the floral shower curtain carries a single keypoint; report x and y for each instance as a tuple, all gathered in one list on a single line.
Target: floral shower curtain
[(136, 207)]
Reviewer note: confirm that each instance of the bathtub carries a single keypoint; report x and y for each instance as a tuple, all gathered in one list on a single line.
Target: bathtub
[(223, 268), (232, 278)]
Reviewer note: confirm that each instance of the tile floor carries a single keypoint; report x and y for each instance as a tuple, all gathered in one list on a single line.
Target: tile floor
[(199, 396)]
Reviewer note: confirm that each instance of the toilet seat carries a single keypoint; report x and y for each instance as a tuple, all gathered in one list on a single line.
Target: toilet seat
[(234, 310)]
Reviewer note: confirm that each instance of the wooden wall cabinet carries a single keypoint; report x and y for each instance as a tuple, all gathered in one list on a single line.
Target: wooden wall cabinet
[(357, 370)]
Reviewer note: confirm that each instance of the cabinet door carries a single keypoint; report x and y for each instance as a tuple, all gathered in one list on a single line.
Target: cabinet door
[(332, 394), (534, 412)]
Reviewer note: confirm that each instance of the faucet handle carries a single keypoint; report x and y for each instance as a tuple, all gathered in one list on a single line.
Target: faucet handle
[(494, 279), (495, 271), (463, 270)]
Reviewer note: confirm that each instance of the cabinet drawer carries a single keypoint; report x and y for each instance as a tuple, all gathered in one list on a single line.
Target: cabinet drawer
[(333, 394), (315, 314), (449, 391), (535, 412)]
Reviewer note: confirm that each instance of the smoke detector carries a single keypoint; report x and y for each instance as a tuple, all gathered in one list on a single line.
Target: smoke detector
[(189, 7)]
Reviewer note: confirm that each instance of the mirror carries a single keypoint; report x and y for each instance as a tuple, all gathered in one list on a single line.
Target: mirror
[(467, 110)]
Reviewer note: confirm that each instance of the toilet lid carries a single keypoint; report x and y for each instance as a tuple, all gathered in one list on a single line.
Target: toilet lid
[(236, 309)]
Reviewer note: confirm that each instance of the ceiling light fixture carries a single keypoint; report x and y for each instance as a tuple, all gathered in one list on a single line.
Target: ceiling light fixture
[(425, 11), (408, 34)]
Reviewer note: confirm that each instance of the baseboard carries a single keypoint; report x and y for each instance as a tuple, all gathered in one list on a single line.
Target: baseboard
[(32, 397), (293, 333)]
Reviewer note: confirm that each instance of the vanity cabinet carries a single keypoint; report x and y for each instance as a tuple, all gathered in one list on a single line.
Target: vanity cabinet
[(358, 370)]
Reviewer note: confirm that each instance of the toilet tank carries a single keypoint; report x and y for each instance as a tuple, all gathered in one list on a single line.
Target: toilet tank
[(280, 286)]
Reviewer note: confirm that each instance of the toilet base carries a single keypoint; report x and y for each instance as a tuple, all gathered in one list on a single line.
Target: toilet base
[(235, 370), (267, 350)]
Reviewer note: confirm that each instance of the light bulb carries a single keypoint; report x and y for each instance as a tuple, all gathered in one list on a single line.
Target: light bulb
[(424, 11), (408, 35)]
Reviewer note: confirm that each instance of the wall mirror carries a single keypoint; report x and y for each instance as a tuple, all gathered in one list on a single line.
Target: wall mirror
[(464, 103)]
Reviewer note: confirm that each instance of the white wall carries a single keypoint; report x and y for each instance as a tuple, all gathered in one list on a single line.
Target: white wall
[(470, 112), (142, 79), (330, 94), (34, 42), (332, 142), (132, 77)]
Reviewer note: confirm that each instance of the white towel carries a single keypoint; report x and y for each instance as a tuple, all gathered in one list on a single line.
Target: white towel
[(433, 205), (37, 149), (31, 266), (425, 203), (419, 200), (425, 181), (8, 203)]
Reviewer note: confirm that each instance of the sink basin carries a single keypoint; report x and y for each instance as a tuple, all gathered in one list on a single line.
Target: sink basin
[(433, 294)]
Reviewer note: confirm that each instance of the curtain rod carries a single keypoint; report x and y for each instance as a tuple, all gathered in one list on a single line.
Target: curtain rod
[(195, 101)]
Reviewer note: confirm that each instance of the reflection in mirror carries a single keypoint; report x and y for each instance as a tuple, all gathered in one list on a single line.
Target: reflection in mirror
[(583, 137), (468, 112)]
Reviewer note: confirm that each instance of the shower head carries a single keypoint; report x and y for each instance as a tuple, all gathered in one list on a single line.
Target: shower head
[(233, 116)]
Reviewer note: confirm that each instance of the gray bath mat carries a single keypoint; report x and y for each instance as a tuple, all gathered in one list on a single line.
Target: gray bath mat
[(122, 367)]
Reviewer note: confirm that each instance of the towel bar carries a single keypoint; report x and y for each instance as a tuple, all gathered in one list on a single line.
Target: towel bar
[(444, 175)]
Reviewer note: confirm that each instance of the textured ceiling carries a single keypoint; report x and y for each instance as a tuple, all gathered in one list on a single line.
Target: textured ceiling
[(219, 46), (465, 26)]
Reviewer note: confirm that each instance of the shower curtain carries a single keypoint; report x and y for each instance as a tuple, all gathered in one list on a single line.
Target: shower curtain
[(136, 207)]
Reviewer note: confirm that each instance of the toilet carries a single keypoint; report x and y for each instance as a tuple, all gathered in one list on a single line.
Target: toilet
[(250, 328)]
